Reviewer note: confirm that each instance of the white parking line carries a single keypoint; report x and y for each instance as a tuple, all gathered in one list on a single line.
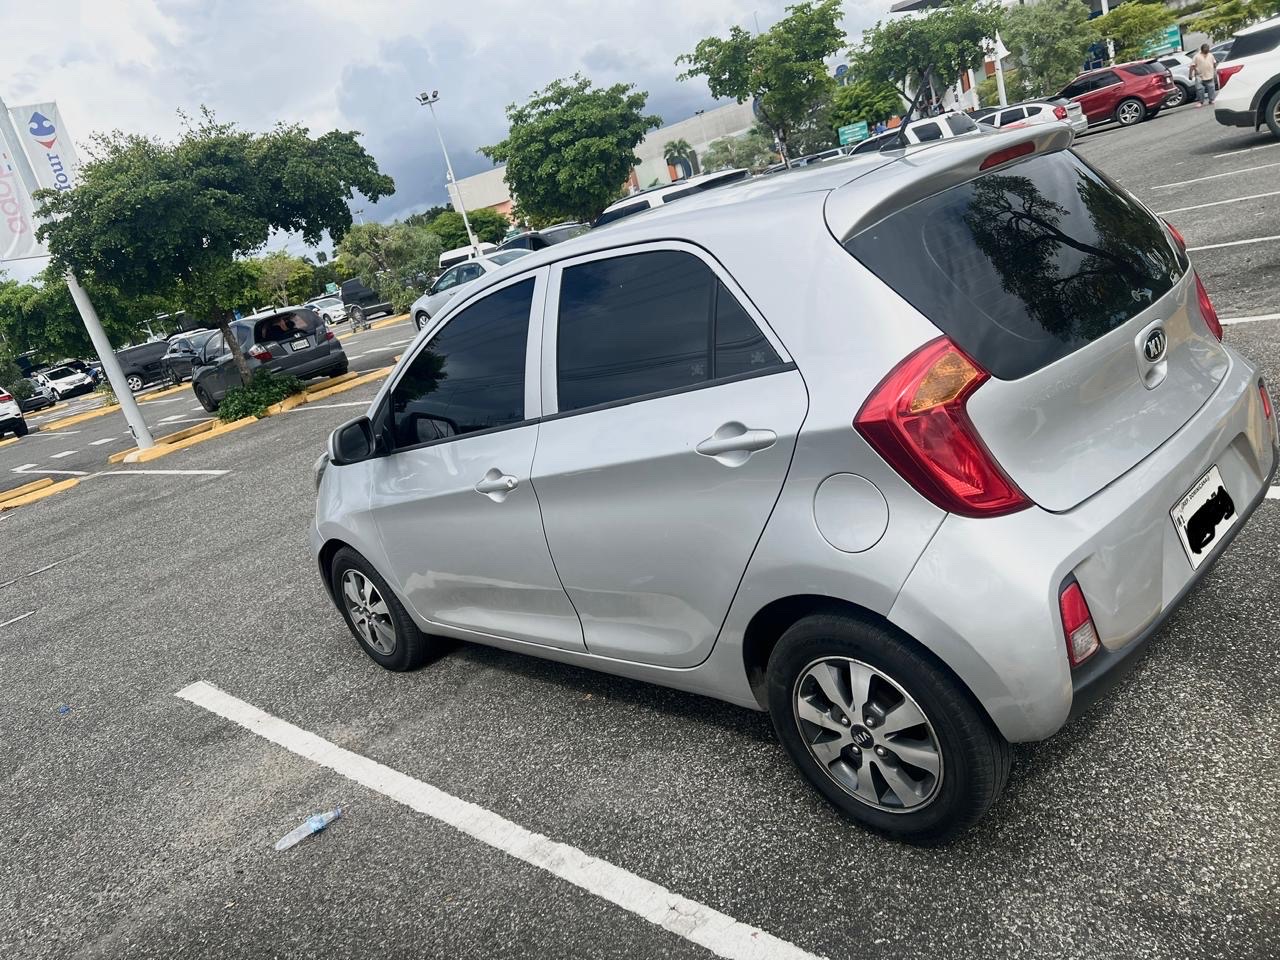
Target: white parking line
[(176, 416), (166, 473), (1215, 176), (1232, 243), (1261, 316), (47, 566), (64, 453), (381, 349), (1218, 203), (1236, 153), (694, 921), (1273, 493), (17, 618), (26, 468), (55, 436), (98, 443), (401, 343)]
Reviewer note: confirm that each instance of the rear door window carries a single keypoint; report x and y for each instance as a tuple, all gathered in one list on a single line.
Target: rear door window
[(1251, 44), (1102, 80), (1012, 116), (1026, 265)]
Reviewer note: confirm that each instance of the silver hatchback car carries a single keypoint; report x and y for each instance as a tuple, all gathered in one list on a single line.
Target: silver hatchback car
[(915, 451)]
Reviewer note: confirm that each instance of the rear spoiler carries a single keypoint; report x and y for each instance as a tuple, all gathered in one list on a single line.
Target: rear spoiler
[(921, 171)]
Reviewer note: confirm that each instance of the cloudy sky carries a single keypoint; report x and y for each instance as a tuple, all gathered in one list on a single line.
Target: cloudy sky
[(356, 65)]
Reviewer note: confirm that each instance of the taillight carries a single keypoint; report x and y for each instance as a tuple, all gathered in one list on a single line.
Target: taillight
[(1267, 410), (1007, 154), (1077, 625), (1226, 73), (5, 397), (1206, 310), (1178, 238), (261, 354), (916, 420), (1060, 112), (328, 334)]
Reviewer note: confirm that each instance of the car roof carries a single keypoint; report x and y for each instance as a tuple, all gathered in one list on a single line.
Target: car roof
[(1258, 27)]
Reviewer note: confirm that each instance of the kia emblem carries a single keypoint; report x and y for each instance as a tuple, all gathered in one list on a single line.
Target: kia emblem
[(1153, 349)]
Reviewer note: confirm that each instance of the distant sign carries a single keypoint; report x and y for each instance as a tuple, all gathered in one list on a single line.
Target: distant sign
[(853, 132), (1167, 42), (330, 288)]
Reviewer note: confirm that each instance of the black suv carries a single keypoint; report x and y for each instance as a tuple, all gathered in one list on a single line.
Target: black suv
[(143, 364), (361, 302)]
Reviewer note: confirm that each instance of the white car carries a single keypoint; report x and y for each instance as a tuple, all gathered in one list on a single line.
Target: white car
[(331, 309), (64, 381), (657, 196), (450, 283), (1032, 112), (1249, 79), (11, 418)]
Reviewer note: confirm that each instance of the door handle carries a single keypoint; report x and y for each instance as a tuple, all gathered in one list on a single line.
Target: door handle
[(496, 485), (733, 443)]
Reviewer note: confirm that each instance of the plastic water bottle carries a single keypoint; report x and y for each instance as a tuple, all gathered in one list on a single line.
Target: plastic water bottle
[(313, 824)]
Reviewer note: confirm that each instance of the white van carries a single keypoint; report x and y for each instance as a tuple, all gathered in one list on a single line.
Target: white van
[(460, 254)]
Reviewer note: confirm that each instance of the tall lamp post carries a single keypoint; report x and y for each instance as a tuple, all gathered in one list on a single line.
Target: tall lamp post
[(428, 100)]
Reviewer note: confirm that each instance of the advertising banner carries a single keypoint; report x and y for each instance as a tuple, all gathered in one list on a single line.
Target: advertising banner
[(17, 220), (44, 138)]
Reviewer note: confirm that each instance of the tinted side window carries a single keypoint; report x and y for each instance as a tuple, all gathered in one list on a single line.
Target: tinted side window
[(645, 323), (1250, 44), (1075, 89), (609, 216), (470, 376), (1103, 80), (924, 132)]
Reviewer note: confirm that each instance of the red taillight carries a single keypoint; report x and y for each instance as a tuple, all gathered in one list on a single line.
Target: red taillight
[(1060, 112), (1077, 625), (328, 334), (1178, 238), (1206, 310), (5, 397), (1267, 410), (1226, 73), (261, 354), (916, 420), (1007, 154)]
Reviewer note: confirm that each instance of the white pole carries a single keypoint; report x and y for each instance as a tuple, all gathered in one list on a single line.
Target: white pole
[(1004, 98), (98, 336), (1111, 47), (471, 237)]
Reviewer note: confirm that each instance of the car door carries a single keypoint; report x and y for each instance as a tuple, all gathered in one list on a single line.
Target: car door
[(452, 503), (1100, 100), (671, 413)]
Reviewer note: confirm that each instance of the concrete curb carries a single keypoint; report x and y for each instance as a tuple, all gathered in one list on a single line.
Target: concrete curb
[(166, 392), (25, 489), (5, 443), (80, 417), (46, 491), (164, 449)]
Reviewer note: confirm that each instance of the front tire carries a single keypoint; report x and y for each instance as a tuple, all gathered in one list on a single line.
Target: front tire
[(420, 320), (1272, 114), (135, 382), (882, 730), (21, 429), (1179, 96), (206, 401), (1130, 111), (377, 620)]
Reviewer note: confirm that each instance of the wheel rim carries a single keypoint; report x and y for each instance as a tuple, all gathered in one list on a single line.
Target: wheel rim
[(369, 612), (867, 734), (134, 383), (1128, 112), (1176, 98)]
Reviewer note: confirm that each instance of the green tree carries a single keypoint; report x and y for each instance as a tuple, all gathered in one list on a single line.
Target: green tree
[(397, 260), (177, 219), (1132, 26), (867, 100), (753, 150), (1049, 39), (675, 151), (424, 218), (284, 279), (950, 39), (1223, 19), (489, 226), (570, 148), (781, 70)]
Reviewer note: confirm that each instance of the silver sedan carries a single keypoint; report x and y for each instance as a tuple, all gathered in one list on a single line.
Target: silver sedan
[(450, 283)]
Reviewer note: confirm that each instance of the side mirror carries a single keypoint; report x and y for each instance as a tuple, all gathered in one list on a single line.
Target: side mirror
[(353, 442)]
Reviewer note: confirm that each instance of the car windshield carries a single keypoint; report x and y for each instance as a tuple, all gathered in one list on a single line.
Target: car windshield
[(506, 256), (328, 302), (58, 373)]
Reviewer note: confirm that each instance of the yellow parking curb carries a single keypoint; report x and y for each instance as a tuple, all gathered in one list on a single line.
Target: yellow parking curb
[(121, 455), (358, 381), (80, 417), (26, 488), (331, 382), (45, 491), (164, 449), (166, 392), (288, 403), (5, 443)]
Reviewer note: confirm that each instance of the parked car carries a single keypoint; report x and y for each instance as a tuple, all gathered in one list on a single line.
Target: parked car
[(183, 348), (668, 193), (293, 340), (1184, 88), (540, 239), (1252, 69), (361, 302), (915, 532), (1032, 112), (38, 397), (450, 283), (461, 254), (1126, 93), (64, 382), (331, 309), (143, 364), (91, 370), (11, 418)]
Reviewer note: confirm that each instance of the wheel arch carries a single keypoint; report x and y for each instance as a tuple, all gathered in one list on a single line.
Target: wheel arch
[(1258, 105), (324, 560)]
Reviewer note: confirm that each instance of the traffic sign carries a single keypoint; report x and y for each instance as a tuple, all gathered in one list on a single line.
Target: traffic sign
[(853, 132)]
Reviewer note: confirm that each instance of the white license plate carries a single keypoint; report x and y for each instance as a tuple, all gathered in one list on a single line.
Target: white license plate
[(299, 344), (1203, 517)]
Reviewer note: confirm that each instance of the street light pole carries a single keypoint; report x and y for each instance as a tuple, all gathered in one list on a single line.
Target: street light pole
[(429, 101)]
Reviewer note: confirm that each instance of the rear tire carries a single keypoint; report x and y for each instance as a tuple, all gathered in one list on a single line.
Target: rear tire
[(135, 382), (969, 758), (206, 401), (1179, 96), (1130, 111), (21, 429), (339, 371), (377, 620), (1272, 114)]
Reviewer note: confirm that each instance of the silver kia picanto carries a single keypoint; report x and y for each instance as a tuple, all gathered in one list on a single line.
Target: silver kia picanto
[(914, 450)]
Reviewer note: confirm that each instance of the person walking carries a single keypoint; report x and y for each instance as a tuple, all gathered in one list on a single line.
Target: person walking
[(1204, 71)]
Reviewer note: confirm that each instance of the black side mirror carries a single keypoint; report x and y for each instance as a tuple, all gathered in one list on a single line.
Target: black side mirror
[(353, 442)]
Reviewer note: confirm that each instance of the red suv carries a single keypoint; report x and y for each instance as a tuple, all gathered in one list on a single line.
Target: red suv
[(1125, 93)]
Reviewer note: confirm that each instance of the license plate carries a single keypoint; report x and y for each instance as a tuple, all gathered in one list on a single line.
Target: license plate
[(299, 344), (1204, 516)]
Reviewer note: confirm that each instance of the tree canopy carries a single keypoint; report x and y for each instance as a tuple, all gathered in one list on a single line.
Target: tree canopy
[(1131, 26), (753, 150), (781, 70), (950, 40), (1050, 40), (570, 148), (488, 225), (867, 100), (397, 260)]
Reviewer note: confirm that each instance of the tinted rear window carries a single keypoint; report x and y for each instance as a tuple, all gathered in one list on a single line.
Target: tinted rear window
[(1250, 44), (609, 216), (1024, 266), (1143, 69)]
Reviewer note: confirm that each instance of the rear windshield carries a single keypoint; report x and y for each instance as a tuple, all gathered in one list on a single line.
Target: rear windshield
[(1024, 266), (286, 326), (1144, 69), (1251, 44)]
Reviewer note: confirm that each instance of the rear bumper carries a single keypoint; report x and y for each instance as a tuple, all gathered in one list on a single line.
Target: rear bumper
[(1235, 118), (984, 595)]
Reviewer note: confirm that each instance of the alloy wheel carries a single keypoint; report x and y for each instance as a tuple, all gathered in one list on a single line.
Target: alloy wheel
[(369, 612), (867, 734), (1130, 112)]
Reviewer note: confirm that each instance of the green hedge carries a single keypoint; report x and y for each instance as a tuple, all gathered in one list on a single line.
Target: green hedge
[(252, 400)]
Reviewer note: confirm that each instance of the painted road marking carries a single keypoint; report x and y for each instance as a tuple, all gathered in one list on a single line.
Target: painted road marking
[(64, 453), (1273, 493), (54, 436), (61, 473), (166, 473), (401, 343), (1218, 203), (176, 416), (25, 466), (98, 443), (1232, 243), (1215, 176), (1261, 316), (17, 618), (47, 566), (1233, 153), (694, 921), (157, 403), (381, 349)]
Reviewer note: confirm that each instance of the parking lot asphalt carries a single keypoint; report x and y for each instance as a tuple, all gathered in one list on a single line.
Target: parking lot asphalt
[(139, 824), (82, 448)]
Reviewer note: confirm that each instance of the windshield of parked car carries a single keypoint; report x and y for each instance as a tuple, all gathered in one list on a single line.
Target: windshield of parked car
[(329, 302)]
